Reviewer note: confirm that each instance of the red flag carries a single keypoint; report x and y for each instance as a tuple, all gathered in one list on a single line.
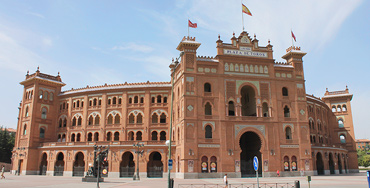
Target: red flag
[(293, 36), (246, 10), (192, 25)]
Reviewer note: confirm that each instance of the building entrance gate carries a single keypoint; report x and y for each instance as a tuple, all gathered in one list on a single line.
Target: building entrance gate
[(43, 164), (127, 167), (319, 164), (155, 166), (250, 143), (59, 165)]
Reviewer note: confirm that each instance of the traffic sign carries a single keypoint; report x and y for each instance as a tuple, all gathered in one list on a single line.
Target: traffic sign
[(170, 162), (255, 163)]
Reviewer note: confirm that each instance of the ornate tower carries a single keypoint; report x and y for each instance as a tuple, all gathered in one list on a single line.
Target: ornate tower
[(37, 119)]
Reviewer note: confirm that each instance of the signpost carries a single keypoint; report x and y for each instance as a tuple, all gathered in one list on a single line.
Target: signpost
[(255, 166), (170, 162)]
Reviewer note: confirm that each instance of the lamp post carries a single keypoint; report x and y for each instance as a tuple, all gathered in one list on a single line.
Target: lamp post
[(173, 67), (138, 152)]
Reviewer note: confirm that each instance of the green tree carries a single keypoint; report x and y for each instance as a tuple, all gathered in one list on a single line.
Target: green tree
[(363, 158), (6, 145)]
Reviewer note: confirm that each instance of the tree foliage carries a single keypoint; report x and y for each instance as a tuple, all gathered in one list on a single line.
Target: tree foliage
[(6, 145), (363, 158)]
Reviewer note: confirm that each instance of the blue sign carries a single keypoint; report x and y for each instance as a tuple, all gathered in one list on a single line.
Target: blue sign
[(170, 162), (255, 163)]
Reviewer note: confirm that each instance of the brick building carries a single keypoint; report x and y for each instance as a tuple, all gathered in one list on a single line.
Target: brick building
[(226, 110)]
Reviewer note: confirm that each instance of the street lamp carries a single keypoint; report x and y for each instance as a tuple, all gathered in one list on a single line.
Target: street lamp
[(138, 152), (173, 67)]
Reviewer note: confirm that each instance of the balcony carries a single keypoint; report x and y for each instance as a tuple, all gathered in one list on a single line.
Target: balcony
[(111, 143)]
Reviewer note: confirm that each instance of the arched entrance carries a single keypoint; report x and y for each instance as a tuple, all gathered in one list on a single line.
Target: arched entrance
[(319, 164), (248, 99), (331, 164), (250, 143), (59, 165), (339, 165), (127, 166), (155, 165), (79, 165), (43, 164)]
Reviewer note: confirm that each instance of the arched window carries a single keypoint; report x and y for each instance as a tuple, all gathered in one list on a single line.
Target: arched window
[(109, 101), (120, 101), (64, 105), (204, 164), (78, 137), (208, 109), (285, 91), (162, 135), (130, 100), (60, 122), (163, 118), (164, 99), (74, 104), (333, 109), (110, 119), (231, 108), (286, 163), (40, 94), (154, 135), (131, 118), (114, 101), (64, 138), (78, 103), (342, 139), (141, 100), (26, 114), (116, 136), (42, 132), (96, 136), (344, 108), (109, 136), (74, 121), (45, 97), (213, 164), (207, 88), (139, 135), (294, 163), (64, 122), (153, 99), (131, 135), (90, 103), (51, 97), (136, 99), (43, 113), (59, 138), (95, 102), (79, 122), (97, 120), (265, 110), (99, 102), (208, 131), (89, 137), (117, 119), (340, 123), (155, 118), (314, 139), (339, 108), (159, 99), (248, 100), (139, 118), (91, 120), (73, 137), (286, 111), (288, 133)]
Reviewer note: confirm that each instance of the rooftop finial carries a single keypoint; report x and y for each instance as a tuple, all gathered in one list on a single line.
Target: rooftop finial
[(58, 73), (326, 89), (269, 41), (38, 68), (255, 36), (346, 87), (233, 34), (219, 37), (28, 72)]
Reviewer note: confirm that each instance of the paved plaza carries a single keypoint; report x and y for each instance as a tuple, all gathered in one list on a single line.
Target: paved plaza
[(337, 181)]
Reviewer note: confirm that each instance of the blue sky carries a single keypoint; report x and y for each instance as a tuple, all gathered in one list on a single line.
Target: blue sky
[(97, 42)]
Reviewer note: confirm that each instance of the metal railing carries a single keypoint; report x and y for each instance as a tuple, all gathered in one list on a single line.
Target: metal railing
[(246, 185)]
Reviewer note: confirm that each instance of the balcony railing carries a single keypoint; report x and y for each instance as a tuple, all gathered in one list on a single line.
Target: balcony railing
[(113, 143)]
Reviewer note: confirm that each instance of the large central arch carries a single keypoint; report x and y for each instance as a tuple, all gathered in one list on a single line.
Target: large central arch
[(248, 100), (250, 144)]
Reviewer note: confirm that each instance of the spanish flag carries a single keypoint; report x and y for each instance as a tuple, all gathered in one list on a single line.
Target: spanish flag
[(246, 10)]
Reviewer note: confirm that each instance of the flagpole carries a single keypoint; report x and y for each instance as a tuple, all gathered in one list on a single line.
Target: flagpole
[(188, 27), (291, 35), (241, 2)]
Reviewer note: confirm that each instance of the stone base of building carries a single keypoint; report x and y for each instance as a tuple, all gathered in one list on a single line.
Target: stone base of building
[(29, 172), (353, 170), (91, 179)]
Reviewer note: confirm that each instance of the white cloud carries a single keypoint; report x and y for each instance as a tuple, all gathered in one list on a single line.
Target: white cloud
[(47, 42), (133, 47), (36, 14)]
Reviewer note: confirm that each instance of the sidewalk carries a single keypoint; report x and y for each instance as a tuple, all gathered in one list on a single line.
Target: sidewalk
[(337, 181)]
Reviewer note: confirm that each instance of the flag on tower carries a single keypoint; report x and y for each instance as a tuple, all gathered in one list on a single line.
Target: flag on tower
[(246, 10), (293, 36), (192, 25)]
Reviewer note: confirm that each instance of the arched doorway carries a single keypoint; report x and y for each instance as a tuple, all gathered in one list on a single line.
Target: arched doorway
[(339, 165), (79, 165), (59, 165), (319, 164), (250, 143), (331, 164), (43, 164), (155, 165), (248, 97), (127, 166)]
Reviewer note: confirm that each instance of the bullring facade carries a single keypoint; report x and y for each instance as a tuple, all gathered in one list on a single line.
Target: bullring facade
[(226, 110)]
